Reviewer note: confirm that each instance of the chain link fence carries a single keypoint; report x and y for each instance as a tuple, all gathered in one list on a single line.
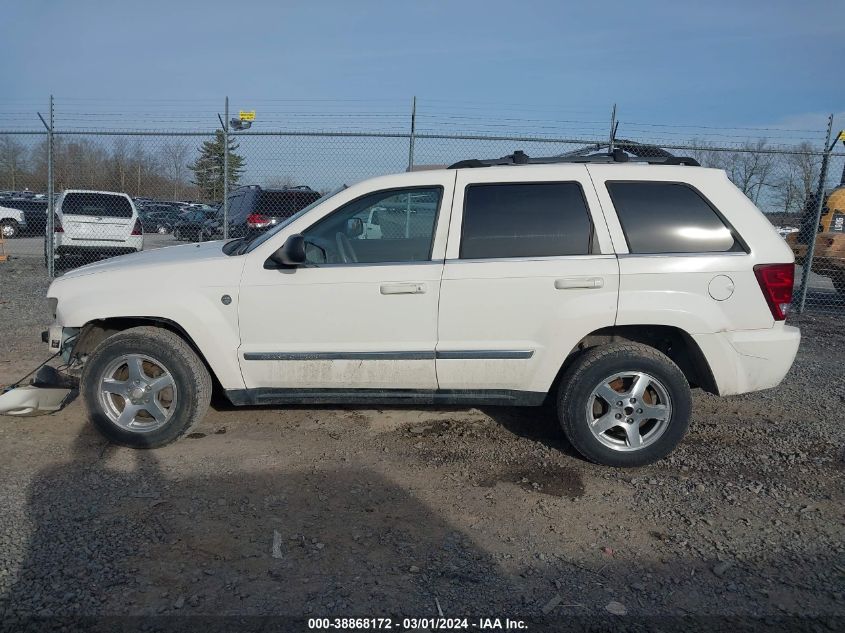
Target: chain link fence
[(117, 190)]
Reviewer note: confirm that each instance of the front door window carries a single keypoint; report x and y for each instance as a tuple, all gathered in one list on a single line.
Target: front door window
[(394, 226)]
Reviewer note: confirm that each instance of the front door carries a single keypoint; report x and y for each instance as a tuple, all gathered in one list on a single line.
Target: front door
[(363, 313)]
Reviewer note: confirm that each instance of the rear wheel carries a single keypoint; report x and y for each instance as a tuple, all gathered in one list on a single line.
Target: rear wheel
[(145, 387), (9, 229), (624, 405)]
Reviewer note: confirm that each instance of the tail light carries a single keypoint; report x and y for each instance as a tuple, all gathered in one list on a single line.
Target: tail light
[(57, 224), (776, 281), (137, 230), (257, 221)]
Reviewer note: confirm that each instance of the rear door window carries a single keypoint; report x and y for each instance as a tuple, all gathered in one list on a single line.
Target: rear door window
[(525, 220), (97, 204), (669, 217)]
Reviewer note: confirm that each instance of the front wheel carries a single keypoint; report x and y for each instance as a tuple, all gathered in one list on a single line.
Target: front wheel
[(145, 387), (624, 404)]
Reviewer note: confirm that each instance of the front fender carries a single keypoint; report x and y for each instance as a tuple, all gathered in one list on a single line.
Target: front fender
[(211, 325)]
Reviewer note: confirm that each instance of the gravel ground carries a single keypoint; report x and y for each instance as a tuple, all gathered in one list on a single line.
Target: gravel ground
[(327, 512)]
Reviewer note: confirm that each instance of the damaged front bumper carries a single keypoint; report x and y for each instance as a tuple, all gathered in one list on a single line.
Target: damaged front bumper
[(48, 392)]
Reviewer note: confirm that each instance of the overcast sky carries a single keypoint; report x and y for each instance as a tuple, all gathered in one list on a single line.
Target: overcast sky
[(719, 63)]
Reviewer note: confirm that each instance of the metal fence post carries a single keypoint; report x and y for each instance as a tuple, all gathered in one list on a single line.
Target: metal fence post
[(412, 135), (811, 242), (226, 171), (612, 137), (49, 255)]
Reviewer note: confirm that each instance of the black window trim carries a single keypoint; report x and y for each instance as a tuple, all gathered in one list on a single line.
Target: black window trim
[(734, 233), (437, 213), (590, 243)]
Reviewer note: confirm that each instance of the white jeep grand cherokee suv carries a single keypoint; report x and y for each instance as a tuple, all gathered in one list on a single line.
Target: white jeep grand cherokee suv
[(607, 286)]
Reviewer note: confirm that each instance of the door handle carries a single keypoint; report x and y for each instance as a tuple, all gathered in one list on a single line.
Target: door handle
[(570, 283), (403, 289)]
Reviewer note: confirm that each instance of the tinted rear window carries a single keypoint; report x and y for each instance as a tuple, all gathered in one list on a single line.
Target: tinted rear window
[(283, 203), (667, 217), (25, 205), (525, 220), (99, 204)]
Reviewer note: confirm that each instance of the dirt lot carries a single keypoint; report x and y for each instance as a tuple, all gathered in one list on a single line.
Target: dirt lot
[(321, 512)]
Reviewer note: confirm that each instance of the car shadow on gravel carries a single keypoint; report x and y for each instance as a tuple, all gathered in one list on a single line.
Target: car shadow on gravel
[(536, 424), (116, 533)]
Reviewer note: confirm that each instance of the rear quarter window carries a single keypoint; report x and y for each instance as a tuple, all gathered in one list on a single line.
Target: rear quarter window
[(97, 204), (669, 217)]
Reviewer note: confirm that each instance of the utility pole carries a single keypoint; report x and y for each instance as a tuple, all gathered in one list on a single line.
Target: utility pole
[(50, 237), (413, 132), (811, 239)]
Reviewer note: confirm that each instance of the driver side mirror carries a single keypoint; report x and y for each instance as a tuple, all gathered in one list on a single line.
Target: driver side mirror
[(291, 254), (354, 227)]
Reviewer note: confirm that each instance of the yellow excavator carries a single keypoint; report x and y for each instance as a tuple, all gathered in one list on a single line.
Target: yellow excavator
[(829, 251)]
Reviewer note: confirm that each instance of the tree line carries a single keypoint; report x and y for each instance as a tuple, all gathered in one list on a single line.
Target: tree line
[(130, 164)]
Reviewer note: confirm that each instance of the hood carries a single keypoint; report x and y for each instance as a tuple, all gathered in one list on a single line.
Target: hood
[(183, 254)]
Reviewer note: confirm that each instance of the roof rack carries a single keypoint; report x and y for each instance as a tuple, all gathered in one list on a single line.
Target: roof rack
[(618, 155)]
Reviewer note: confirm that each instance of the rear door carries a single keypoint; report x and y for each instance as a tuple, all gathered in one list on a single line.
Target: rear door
[(92, 216), (529, 271)]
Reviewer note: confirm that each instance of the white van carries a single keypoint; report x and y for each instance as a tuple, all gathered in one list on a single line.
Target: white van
[(94, 224)]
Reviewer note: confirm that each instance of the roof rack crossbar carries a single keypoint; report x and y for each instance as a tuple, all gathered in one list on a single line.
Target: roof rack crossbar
[(618, 155)]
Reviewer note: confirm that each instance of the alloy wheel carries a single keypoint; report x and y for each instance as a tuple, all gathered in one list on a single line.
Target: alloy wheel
[(628, 411)]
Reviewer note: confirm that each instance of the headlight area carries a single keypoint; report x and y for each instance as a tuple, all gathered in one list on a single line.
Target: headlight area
[(52, 306), (60, 340)]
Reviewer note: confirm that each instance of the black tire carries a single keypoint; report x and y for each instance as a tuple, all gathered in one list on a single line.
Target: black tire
[(189, 373), (590, 370), (10, 229)]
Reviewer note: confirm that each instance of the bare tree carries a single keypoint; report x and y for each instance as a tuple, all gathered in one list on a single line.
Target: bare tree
[(281, 182), (750, 168), (175, 155), (12, 160), (798, 179)]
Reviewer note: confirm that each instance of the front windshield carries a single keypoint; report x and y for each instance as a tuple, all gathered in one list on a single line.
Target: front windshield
[(257, 241)]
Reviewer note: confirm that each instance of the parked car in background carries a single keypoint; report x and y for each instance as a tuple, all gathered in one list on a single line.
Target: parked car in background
[(12, 221), (783, 231), (254, 209), (34, 213), (607, 287), (190, 224), (159, 218), (94, 224)]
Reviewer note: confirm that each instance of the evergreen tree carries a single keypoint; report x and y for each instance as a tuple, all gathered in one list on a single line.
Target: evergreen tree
[(208, 167)]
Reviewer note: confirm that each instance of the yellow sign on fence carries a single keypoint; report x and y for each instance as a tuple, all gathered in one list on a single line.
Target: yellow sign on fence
[(247, 116)]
